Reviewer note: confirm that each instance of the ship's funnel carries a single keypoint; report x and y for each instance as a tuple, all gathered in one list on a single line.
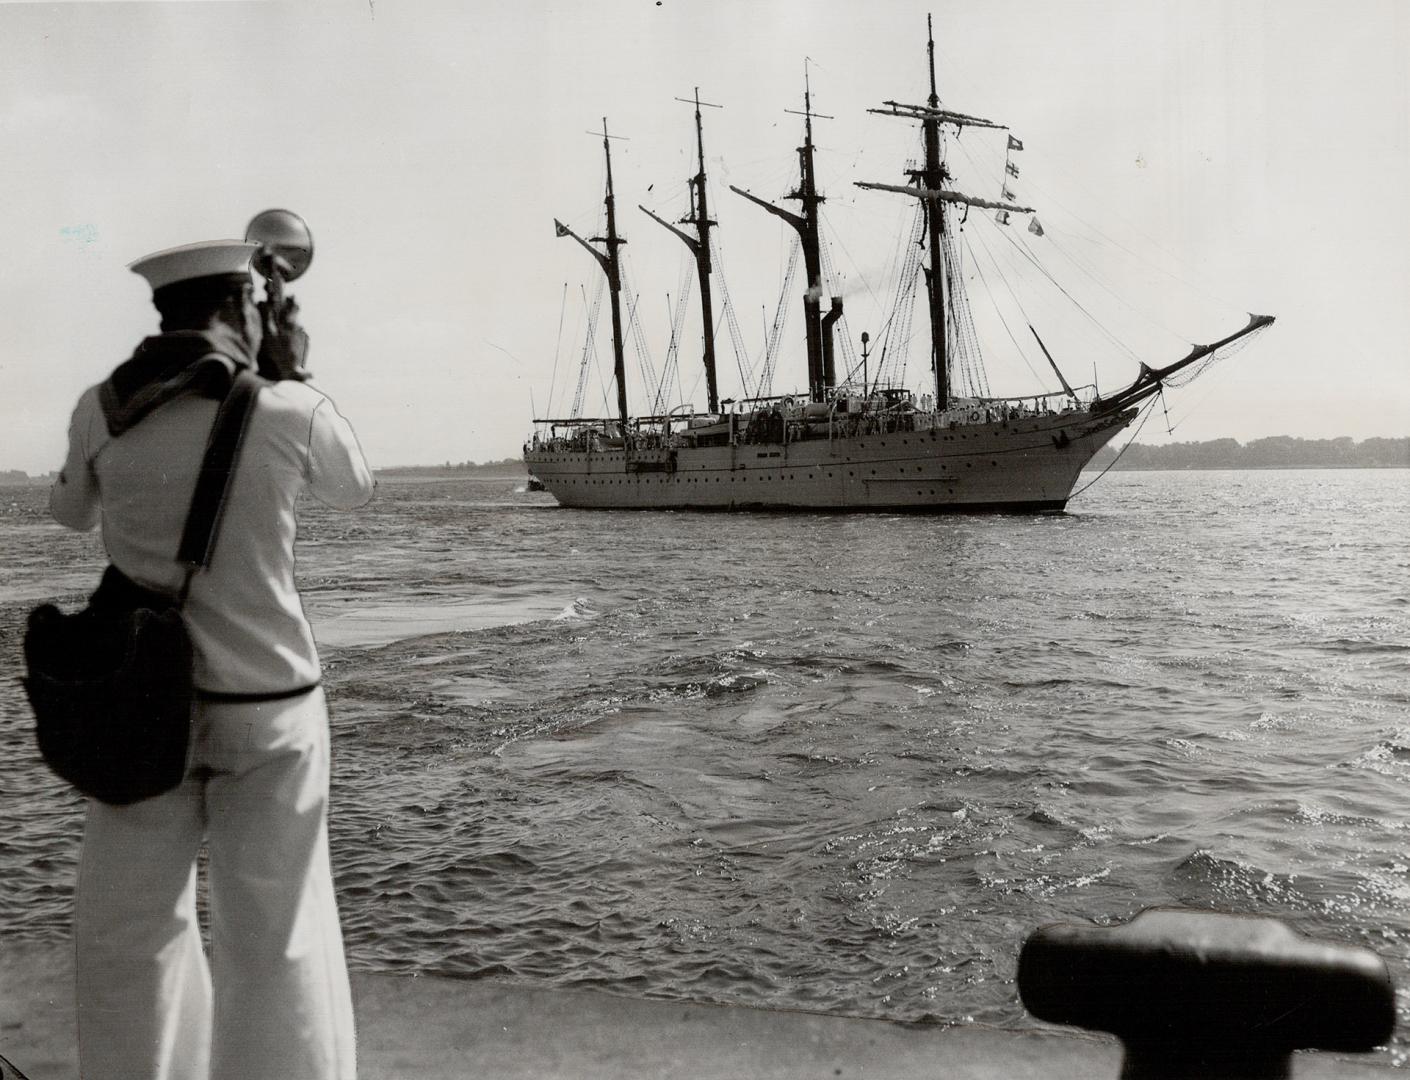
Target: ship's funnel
[(829, 365)]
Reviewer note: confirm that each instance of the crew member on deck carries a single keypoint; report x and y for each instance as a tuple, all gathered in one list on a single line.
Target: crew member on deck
[(273, 999)]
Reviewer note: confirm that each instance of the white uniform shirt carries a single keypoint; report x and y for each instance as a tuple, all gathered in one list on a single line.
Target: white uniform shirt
[(244, 614)]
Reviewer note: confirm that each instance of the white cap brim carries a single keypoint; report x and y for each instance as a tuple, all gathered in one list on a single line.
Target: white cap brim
[(205, 259)]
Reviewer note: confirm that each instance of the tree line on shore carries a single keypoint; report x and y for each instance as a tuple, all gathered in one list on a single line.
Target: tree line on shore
[(1275, 452), (509, 465)]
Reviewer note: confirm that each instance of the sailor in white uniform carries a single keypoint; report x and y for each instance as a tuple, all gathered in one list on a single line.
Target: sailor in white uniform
[(272, 998)]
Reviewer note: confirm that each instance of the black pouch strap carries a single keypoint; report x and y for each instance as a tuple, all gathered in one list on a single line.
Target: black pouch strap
[(217, 468), (118, 593), (223, 698)]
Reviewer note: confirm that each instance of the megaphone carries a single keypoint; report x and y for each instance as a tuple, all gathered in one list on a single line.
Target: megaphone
[(286, 244), (285, 251)]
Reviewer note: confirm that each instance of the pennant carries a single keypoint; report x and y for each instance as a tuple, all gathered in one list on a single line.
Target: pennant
[(1014, 144), (1034, 227), (1002, 217), (559, 229), (1007, 194), (1012, 168)]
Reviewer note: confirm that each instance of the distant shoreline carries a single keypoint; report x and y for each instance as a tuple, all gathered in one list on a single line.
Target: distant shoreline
[(426, 473), (411, 475), (1276, 452), (1121, 466)]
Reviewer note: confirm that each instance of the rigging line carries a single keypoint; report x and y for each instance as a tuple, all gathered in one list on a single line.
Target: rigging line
[(896, 343), (998, 270), (884, 334), (985, 176), (1075, 302), (596, 364), (645, 365), (589, 358), (666, 367), (647, 378), (1062, 250), (834, 237), (905, 262), (1193, 408), (1148, 408), (578, 387), (904, 286), (604, 386), (843, 339), (967, 349), (1017, 347), (763, 362), (780, 320), (973, 355), (557, 347), (897, 329), (680, 391), (678, 326), (993, 259), (1159, 269), (646, 370), (1048, 197), (694, 386), (677, 317), (730, 318)]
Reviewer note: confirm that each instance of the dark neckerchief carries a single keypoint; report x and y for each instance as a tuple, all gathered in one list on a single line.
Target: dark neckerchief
[(165, 367)]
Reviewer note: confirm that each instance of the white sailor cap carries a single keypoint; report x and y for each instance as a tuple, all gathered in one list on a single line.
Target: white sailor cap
[(209, 258)]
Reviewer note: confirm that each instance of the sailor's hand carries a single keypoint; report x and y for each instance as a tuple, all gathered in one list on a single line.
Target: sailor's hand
[(283, 350), (283, 357)]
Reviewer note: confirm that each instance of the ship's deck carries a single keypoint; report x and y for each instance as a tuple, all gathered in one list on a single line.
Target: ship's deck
[(1028, 463)]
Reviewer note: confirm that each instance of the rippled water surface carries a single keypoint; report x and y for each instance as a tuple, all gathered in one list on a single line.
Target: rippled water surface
[(842, 763)]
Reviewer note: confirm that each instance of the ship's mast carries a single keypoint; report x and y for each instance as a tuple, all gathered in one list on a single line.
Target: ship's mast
[(614, 284), (611, 266), (928, 185), (820, 376), (933, 178), (699, 245)]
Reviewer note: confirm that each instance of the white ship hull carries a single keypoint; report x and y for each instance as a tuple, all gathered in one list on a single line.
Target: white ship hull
[(1025, 465)]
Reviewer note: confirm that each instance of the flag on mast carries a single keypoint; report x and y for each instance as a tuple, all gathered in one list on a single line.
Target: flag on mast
[(1015, 144)]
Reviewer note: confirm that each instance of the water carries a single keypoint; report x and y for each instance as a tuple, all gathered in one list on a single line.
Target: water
[(842, 763)]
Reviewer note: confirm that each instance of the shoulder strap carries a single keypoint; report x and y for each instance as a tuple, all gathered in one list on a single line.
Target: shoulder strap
[(217, 468)]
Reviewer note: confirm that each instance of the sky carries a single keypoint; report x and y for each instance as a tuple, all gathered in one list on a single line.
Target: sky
[(1190, 161)]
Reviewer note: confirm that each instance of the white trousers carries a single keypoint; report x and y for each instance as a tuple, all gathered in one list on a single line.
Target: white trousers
[(273, 1000)]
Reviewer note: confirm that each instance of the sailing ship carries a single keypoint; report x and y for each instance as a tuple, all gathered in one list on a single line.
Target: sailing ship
[(845, 444)]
